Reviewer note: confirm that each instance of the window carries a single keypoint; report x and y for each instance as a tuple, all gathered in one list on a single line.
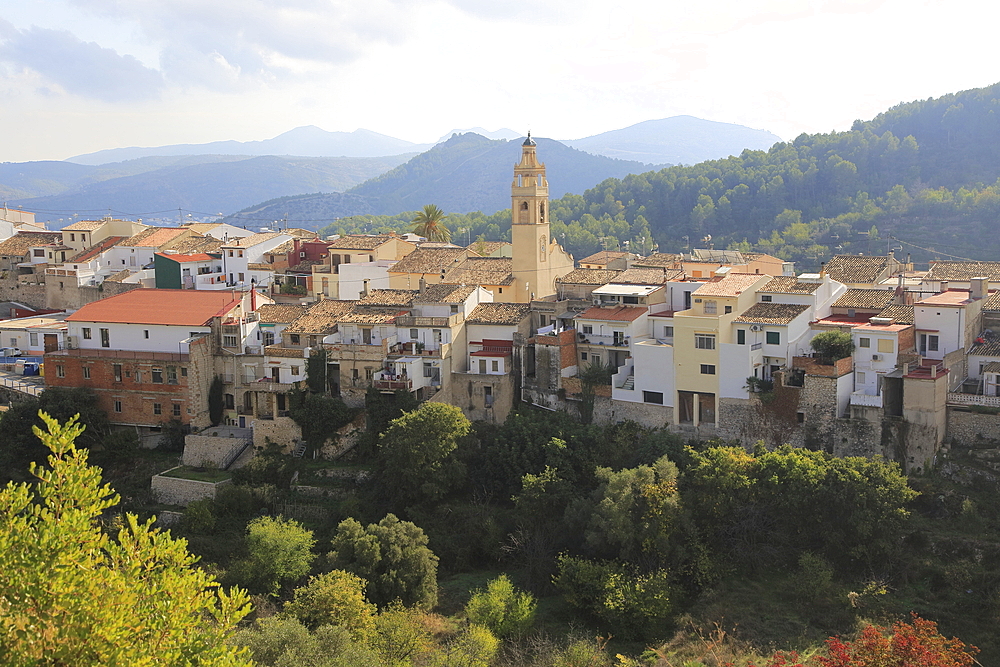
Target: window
[(138, 376), (118, 372), (230, 401), (860, 377), (157, 375), (741, 336), (655, 397), (595, 359), (118, 406), (885, 345), (13, 342), (765, 298), (37, 252), (704, 341), (295, 370), (711, 307), (105, 338), (772, 338), (171, 374), (369, 373), (708, 369), (239, 253), (354, 374), (184, 371), (864, 342), (60, 371), (294, 338), (488, 396), (32, 339), (413, 334), (729, 309), (932, 343), (239, 276), (229, 340), (268, 338), (428, 371), (145, 333), (177, 410), (583, 356), (618, 337), (454, 309), (630, 299), (668, 332), (86, 333), (86, 372), (588, 329), (495, 366), (157, 409), (230, 253)]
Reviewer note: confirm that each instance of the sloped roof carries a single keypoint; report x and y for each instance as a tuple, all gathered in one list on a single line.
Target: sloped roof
[(662, 259), (181, 257), (119, 276), (321, 317), (963, 271), (619, 314), (429, 260), (644, 276), (482, 271), (154, 237), (732, 285), (992, 302), (159, 306), (603, 257), (867, 299), (282, 249), (771, 313), (252, 240), (84, 226), (902, 314), (280, 313), (856, 269), (788, 285), (445, 293), (362, 315), (508, 314), (196, 244), (990, 348), (397, 298), (486, 248), (95, 250), (589, 277), (19, 244), (359, 242)]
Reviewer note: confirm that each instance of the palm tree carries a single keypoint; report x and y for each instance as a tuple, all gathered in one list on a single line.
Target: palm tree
[(430, 224)]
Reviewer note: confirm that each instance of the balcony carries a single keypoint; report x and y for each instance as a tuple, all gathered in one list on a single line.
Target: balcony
[(609, 341), (956, 398), (866, 400), (392, 384), (443, 322), (269, 385)]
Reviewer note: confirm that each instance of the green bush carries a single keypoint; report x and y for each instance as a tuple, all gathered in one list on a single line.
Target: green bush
[(334, 598), (278, 551), (503, 609)]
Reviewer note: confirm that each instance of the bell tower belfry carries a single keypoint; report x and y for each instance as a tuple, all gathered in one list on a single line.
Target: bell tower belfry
[(537, 262)]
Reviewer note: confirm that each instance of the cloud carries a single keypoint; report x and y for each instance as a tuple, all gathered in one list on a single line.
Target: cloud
[(81, 68)]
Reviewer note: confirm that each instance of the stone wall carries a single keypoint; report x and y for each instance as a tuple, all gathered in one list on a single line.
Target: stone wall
[(177, 491), (11, 289), (347, 438), (65, 294), (646, 414), (973, 429), (280, 430), (207, 450)]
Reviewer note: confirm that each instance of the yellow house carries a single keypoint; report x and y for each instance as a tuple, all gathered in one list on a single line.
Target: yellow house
[(698, 333)]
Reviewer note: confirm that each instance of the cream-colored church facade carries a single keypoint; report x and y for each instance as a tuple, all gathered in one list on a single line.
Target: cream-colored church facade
[(537, 259)]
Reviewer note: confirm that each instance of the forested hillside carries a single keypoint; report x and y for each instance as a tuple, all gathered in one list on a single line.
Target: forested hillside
[(924, 173)]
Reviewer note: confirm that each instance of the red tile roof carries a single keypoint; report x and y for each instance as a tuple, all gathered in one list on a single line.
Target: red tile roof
[(196, 257), (620, 314), (158, 306)]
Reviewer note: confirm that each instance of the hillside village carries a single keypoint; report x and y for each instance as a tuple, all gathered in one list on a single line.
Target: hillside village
[(712, 344)]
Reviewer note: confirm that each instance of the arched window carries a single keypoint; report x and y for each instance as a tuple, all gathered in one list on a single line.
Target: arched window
[(524, 206)]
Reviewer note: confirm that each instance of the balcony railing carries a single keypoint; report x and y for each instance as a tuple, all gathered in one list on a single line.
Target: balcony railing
[(392, 384), (956, 398), (414, 321), (867, 400), (610, 341)]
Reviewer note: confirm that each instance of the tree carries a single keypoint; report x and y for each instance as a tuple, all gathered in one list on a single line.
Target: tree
[(334, 598), (429, 223), (316, 371), (279, 550), (832, 345), (216, 406), (73, 595), (392, 556), (416, 462), (282, 641), (318, 415), (501, 608)]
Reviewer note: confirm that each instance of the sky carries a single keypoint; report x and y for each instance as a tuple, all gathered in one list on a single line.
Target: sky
[(77, 76)]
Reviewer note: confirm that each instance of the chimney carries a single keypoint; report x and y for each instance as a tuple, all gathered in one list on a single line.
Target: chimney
[(364, 288), (822, 269), (423, 284), (944, 286), (977, 288)]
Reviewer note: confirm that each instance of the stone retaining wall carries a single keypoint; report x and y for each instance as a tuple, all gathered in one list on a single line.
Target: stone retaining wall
[(973, 429), (177, 491)]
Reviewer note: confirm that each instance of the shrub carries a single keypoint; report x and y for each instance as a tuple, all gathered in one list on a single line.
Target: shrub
[(503, 609), (334, 598), (832, 345)]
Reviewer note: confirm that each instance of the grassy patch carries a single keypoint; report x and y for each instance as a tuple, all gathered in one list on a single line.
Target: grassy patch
[(198, 474)]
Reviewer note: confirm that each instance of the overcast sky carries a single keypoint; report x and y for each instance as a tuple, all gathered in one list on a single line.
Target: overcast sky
[(78, 76)]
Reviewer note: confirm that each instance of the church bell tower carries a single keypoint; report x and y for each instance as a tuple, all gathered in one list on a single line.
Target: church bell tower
[(529, 207)]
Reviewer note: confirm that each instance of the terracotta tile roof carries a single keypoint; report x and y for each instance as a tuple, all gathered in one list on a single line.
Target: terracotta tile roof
[(508, 314), (718, 256), (788, 285), (732, 285), (395, 298), (429, 260), (252, 240), (992, 367), (305, 266), (662, 259), (993, 301), (154, 237), (299, 232), (482, 271), (486, 248), (362, 315), (180, 257), (84, 226), (856, 269), (619, 314), (196, 244), (445, 293), (643, 276), (603, 257), (963, 271), (279, 351), (260, 266), (158, 306), (280, 313), (359, 242), (866, 299), (990, 348), (202, 227), (902, 314), (771, 313), (321, 317), (282, 249), (19, 244), (95, 250), (589, 277), (119, 276)]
